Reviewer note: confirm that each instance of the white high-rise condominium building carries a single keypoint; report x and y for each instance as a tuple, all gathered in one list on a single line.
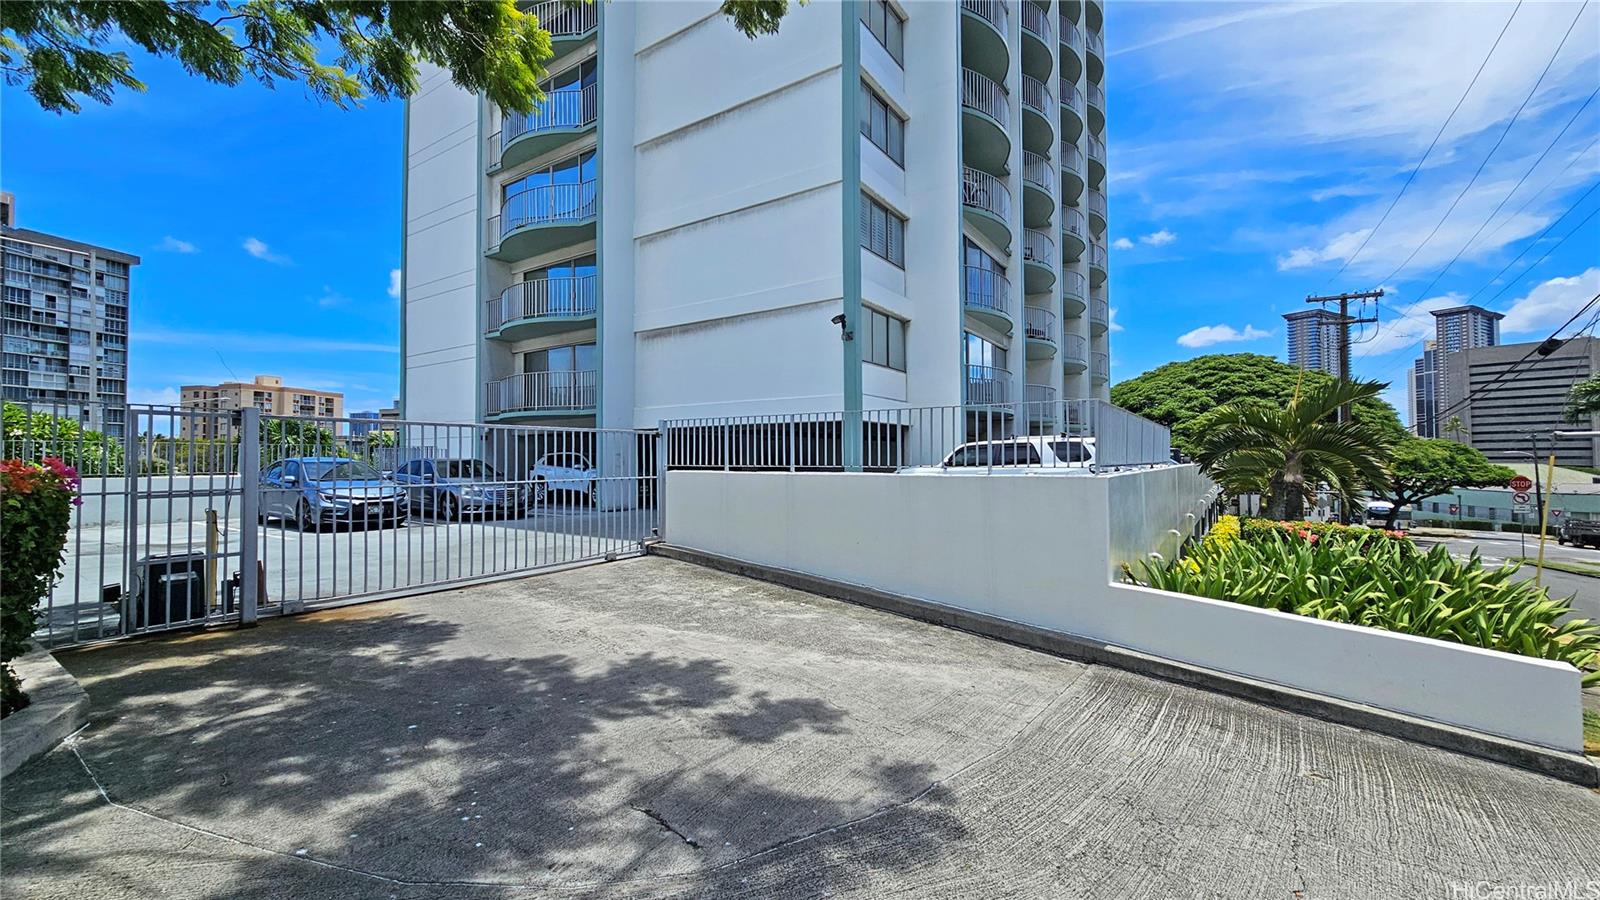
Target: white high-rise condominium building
[(674, 233)]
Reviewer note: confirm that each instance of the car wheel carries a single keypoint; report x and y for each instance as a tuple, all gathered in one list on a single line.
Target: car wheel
[(303, 517), (593, 494), (541, 492), (449, 509)]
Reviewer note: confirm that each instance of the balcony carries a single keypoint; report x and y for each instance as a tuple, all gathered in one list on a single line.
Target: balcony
[(543, 218), (1074, 235), (1072, 111), (1071, 46), (1037, 36), (1074, 294), (541, 307), (986, 296), (1095, 43), (1043, 410), (1097, 162), (1074, 354), (986, 204), (1038, 108), (1097, 265), (1071, 174), (1097, 108), (1097, 213), (1038, 184), (565, 114), (1100, 367), (988, 386), (985, 110), (542, 394), (569, 24), (984, 25), (1038, 261), (1039, 327), (1099, 317)]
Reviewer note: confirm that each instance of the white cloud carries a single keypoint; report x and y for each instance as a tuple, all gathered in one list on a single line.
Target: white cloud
[(173, 245), (394, 283), (1158, 238), (1549, 305), (1402, 327), (331, 298), (1122, 243), (259, 342), (1112, 321), (259, 249), (1206, 335), (161, 396)]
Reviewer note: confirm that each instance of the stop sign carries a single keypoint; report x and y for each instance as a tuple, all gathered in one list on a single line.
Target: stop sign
[(1522, 483)]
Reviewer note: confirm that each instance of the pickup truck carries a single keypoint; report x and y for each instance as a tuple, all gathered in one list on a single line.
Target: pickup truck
[(1580, 532)]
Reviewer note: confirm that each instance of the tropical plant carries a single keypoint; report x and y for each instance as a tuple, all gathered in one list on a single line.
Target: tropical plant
[(1583, 401), (36, 500), (1427, 467), (1454, 427), (1251, 447), (36, 435)]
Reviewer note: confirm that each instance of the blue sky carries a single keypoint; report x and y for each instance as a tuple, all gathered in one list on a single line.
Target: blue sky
[(1252, 149)]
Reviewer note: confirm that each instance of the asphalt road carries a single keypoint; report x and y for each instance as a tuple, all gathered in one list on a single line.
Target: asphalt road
[(1497, 548)]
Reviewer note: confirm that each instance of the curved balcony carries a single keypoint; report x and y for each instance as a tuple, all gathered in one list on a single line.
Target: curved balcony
[(986, 295), (543, 218), (1038, 185), (1074, 234), (1038, 261), (1094, 42), (1097, 161), (1074, 294), (1071, 46), (1097, 212), (1038, 107), (1071, 174), (984, 24), (1074, 354), (986, 204), (569, 24), (1072, 110), (564, 114), (1097, 109), (988, 385), (1039, 326), (1037, 35), (1097, 265), (985, 109), (540, 307), (1043, 410), (1100, 367), (1099, 317), (533, 395)]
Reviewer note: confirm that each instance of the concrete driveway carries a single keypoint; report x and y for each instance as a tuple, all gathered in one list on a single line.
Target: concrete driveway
[(647, 728)]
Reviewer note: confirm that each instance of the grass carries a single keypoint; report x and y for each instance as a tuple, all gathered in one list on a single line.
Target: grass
[(1571, 568), (1591, 732)]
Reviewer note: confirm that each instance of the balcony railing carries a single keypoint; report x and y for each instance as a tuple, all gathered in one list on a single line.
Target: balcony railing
[(1100, 312), (1041, 393), (1036, 94), (1071, 34), (1037, 247), (567, 391), (988, 385), (991, 11), (559, 297), (1039, 324), (987, 290), (981, 190), (1096, 42), (1097, 96), (570, 107), (1042, 406), (563, 19), (1097, 203), (1097, 256), (1075, 348), (1075, 223), (984, 94), (1097, 149), (1036, 20), (1071, 96), (1071, 158), (1037, 169), (545, 204), (1100, 366)]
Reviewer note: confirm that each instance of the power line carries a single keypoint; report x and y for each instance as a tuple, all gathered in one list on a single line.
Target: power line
[(1418, 168), (1547, 186), (1514, 366), (1498, 141)]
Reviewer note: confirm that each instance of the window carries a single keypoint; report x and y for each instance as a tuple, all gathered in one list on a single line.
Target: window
[(885, 340), (882, 125), (571, 358), (882, 231), (886, 25)]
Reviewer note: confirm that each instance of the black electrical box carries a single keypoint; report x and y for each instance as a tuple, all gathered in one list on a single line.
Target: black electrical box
[(172, 590)]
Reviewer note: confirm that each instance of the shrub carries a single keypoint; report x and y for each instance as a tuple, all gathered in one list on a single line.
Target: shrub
[(1256, 530), (1225, 532), (1375, 580), (36, 501), (37, 435)]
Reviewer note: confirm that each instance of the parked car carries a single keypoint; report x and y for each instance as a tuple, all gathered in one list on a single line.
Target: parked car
[(315, 490), (1580, 533), (570, 474), (452, 488), (1018, 455)]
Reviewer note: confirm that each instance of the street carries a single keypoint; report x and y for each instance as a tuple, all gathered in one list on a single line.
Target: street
[(1496, 548)]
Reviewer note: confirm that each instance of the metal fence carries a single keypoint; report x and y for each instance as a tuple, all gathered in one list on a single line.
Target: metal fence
[(202, 518), (1091, 435)]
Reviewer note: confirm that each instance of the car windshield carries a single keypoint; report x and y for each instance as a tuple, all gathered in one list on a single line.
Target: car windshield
[(341, 470), (1070, 451), (467, 468)]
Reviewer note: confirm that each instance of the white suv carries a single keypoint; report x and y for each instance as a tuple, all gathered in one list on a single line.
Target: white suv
[(1046, 453)]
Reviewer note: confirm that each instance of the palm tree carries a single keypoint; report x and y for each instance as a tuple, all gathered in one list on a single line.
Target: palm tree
[(1454, 427), (1285, 454), (1583, 400)]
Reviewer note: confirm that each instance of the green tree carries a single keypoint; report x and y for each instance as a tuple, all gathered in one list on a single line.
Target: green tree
[(1583, 400), (57, 48), (1286, 452), (1427, 467), (1179, 393), (1454, 427), (34, 436)]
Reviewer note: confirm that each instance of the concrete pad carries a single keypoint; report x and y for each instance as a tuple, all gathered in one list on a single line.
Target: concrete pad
[(650, 728)]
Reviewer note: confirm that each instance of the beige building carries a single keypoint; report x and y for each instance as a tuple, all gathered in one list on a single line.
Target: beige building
[(267, 393)]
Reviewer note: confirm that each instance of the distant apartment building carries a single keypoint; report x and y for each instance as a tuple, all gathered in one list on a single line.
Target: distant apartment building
[(364, 422), (1506, 416), (266, 393), (65, 325), (1455, 329), (1421, 393), (1313, 339), (887, 204)]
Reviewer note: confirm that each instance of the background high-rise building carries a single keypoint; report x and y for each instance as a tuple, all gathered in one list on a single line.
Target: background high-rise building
[(1455, 329), (674, 231), (66, 325), (1503, 417), (1421, 392), (1313, 336)]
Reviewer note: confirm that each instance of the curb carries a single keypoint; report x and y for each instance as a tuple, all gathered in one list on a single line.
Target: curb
[(57, 707), (1570, 767)]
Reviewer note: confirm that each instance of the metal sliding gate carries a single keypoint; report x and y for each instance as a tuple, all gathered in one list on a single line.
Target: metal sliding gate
[(204, 518)]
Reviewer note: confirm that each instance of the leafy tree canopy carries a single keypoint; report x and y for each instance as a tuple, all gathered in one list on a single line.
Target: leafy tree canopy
[(57, 49), (34, 435), (1428, 467), (1583, 400), (1179, 393)]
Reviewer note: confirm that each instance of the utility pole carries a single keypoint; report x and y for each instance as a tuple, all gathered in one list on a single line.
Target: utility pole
[(1345, 321)]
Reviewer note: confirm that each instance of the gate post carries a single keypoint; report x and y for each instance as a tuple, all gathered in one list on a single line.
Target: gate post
[(249, 512), (662, 448)]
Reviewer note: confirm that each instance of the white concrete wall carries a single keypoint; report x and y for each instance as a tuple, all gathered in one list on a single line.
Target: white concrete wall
[(1024, 548)]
